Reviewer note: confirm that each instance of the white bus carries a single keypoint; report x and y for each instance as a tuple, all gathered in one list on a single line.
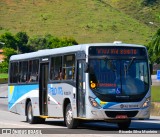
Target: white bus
[(103, 81)]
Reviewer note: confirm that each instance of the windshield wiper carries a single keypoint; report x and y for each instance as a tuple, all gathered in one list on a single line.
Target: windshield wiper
[(129, 65)]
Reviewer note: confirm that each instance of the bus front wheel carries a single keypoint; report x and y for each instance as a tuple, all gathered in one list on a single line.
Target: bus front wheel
[(69, 120)]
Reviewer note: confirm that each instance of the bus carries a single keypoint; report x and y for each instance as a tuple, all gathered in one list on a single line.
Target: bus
[(98, 81)]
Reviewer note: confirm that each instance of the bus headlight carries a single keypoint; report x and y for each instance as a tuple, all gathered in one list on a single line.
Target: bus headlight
[(94, 102), (146, 103)]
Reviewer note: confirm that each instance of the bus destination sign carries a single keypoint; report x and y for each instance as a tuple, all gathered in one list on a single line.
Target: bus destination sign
[(116, 51)]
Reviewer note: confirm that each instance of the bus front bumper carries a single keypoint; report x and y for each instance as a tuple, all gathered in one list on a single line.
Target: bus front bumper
[(103, 114)]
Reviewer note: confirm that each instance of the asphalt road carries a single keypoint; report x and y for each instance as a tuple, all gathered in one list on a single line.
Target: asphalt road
[(3, 97), (55, 126)]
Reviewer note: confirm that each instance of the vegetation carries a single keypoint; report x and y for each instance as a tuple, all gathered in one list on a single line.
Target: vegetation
[(86, 21), (154, 48), (149, 2), (22, 43), (3, 75), (155, 93), (145, 11), (49, 41)]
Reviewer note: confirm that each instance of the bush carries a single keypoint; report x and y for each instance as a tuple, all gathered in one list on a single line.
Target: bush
[(4, 67)]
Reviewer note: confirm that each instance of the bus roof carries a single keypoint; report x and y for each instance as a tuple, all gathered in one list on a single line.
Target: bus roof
[(64, 50)]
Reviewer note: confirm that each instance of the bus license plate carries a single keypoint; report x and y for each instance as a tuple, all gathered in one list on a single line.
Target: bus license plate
[(121, 116)]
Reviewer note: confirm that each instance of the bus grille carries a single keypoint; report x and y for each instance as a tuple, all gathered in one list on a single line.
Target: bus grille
[(113, 114)]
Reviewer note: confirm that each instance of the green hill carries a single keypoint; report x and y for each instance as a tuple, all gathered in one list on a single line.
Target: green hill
[(85, 20), (141, 10)]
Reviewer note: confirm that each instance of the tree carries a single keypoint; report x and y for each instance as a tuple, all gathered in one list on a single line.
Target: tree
[(154, 48), (4, 67), (7, 52), (68, 41), (22, 40), (37, 43), (148, 2), (17, 42), (9, 40), (54, 42), (49, 42)]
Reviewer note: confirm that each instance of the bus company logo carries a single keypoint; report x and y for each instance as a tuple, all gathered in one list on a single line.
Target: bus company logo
[(55, 91), (128, 106), (121, 106)]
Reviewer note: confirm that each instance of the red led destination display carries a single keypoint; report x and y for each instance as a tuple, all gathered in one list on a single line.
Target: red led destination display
[(116, 51)]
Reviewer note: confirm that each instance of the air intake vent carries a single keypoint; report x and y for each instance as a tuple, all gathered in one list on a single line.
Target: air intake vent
[(113, 114)]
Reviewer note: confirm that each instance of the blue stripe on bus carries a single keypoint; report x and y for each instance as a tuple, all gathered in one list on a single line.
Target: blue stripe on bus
[(109, 104), (18, 92), (105, 105)]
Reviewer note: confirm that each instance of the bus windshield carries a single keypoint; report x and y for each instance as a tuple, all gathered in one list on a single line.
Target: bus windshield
[(120, 79)]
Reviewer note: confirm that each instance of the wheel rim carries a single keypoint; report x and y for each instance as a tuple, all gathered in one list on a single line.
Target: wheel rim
[(29, 113), (69, 116)]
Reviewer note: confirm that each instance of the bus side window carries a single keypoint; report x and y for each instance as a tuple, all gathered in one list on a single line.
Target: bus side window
[(20, 72), (56, 68), (14, 75), (23, 71), (33, 70), (69, 66)]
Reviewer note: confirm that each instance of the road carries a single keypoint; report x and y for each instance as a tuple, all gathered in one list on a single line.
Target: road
[(155, 82), (55, 126)]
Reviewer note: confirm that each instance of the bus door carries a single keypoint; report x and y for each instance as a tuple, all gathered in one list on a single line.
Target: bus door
[(43, 90), (81, 89)]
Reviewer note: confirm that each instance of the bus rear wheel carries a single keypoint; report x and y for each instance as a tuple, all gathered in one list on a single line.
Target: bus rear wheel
[(32, 119), (124, 124), (69, 120)]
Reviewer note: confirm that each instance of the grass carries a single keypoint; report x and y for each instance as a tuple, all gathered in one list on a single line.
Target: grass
[(155, 93), (155, 106), (3, 75), (85, 21), (139, 11)]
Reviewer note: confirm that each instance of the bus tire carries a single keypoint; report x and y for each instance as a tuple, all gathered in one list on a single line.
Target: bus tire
[(30, 118), (70, 122), (124, 124)]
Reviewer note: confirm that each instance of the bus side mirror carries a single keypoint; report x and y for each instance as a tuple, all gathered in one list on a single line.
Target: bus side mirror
[(151, 68), (86, 68)]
